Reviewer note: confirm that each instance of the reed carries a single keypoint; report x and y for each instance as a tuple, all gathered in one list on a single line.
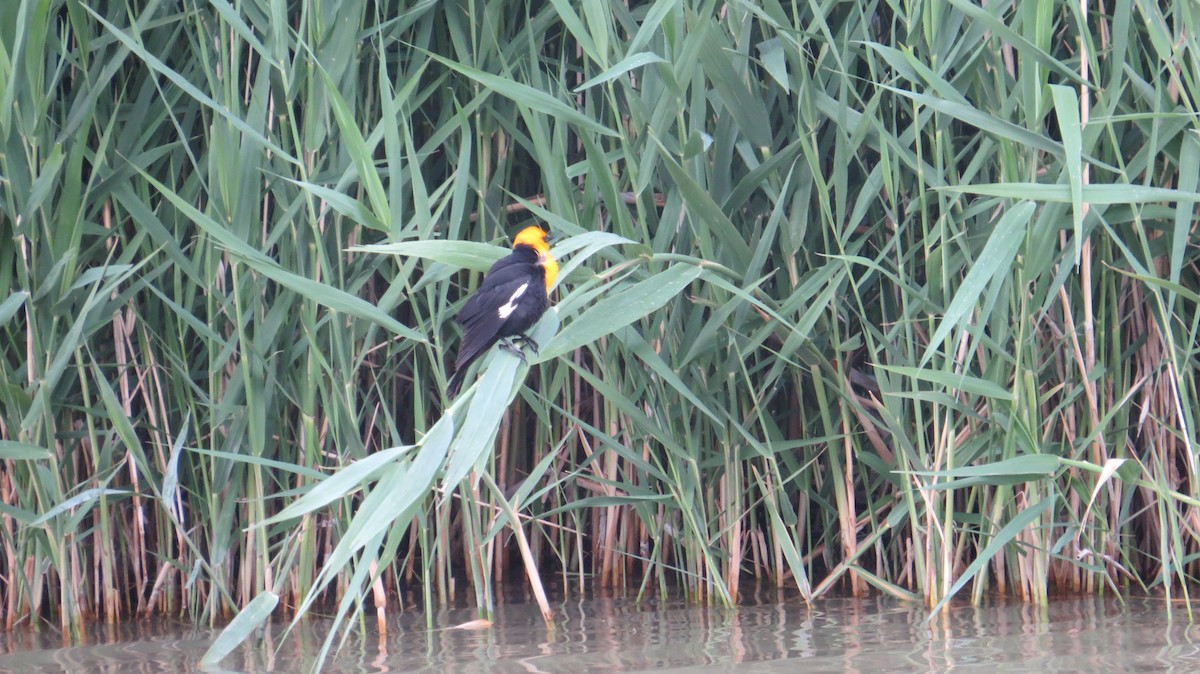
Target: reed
[(869, 297)]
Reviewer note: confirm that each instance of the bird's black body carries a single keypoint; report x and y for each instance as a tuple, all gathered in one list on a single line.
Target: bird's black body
[(510, 300)]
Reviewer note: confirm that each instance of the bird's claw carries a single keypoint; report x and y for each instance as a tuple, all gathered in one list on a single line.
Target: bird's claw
[(526, 340), (516, 346), (507, 345)]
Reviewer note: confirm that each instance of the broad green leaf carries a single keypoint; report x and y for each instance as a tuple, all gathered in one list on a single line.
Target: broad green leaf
[(650, 26), (23, 451), (10, 306), (520, 498), (85, 498), (402, 486), (739, 100), (44, 183), (66, 345), (1007, 35), (359, 152), (95, 275), (1066, 105), (21, 515), (639, 347), (253, 616), (566, 13), (1186, 293), (994, 262), (984, 121), (234, 19), (952, 382), (321, 293), (333, 298), (705, 213), (1185, 221), (774, 60), (490, 398), (466, 254), (620, 309), (477, 432), (907, 65), (783, 537), (170, 480), (581, 248), (995, 546), (273, 464), (1111, 466), (131, 42), (343, 204), (621, 67), (345, 481), (1093, 193), (525, 95), (1027, 465)]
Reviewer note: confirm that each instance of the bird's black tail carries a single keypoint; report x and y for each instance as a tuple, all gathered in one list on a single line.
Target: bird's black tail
[(454, 384), (456, 379)]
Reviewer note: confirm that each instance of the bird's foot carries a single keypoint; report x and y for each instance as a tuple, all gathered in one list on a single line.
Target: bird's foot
[(527, 341), (508, 345), (516, 345)]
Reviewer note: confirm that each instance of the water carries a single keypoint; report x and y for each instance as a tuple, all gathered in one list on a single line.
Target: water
[(876, 635)]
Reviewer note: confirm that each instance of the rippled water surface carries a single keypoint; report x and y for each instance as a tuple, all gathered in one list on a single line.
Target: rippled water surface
[(619, 635)]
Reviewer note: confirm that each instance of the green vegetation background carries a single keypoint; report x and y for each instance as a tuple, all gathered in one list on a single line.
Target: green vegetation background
[(894, 296)]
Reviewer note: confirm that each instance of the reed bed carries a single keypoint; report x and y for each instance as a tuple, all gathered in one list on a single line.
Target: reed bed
[(885, 296)]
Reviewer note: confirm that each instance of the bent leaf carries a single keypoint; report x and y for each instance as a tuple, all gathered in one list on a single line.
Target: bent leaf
[(620, 309)]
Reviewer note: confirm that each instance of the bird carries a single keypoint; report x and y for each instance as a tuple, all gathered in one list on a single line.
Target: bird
[(514, 294)]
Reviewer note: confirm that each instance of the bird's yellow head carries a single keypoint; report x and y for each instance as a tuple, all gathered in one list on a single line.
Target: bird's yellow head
[(535, 238)]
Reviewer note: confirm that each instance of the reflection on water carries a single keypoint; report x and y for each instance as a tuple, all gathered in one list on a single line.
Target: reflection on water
[(618, 635)]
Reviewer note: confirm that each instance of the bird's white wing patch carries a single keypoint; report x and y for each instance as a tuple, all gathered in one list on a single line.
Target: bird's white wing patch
[(507, 308)]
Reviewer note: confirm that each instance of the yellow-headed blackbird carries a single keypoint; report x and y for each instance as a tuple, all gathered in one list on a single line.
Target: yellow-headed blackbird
[(513, 296)]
